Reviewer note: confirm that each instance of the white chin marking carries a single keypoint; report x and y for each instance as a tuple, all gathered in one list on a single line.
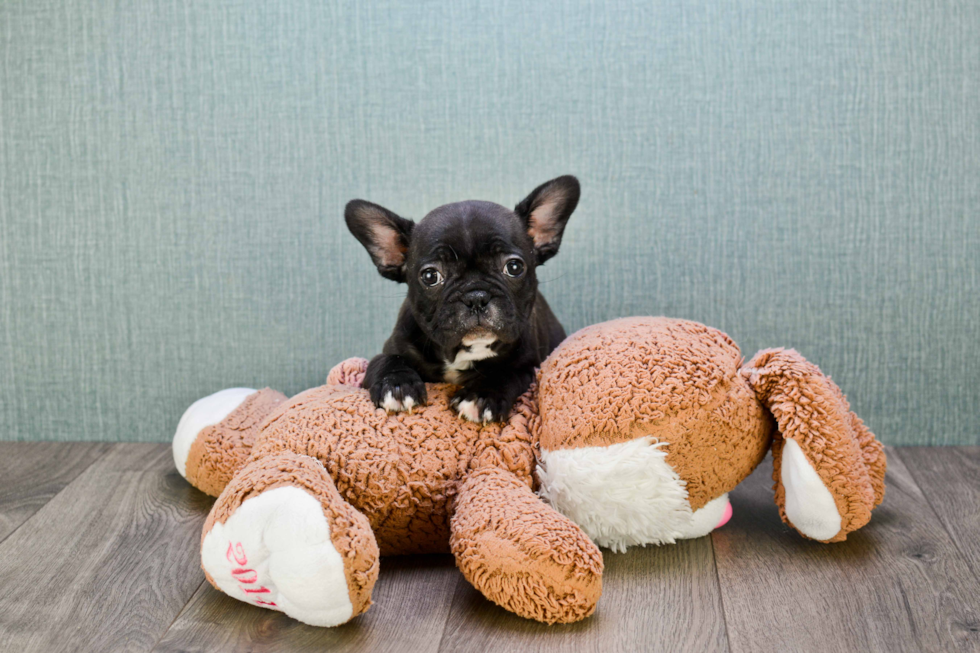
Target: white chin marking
[(474, 349), (275, 551), (484, 339), (469, 410), (392, 405), (621, 495), (203, 413), (810, 506)]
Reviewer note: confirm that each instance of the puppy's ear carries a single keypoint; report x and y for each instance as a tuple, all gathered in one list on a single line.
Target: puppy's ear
[(545, 212), (384, 235)]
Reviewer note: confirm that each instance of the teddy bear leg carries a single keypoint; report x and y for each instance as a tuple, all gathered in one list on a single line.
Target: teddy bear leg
[(522, 554), (282, 537), (214, 436)]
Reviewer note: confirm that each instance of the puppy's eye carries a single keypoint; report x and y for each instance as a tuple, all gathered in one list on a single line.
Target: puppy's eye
[(430, 277), (514, 267)]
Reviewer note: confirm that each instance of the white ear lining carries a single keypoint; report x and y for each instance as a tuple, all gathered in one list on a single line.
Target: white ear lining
[(810, 506)]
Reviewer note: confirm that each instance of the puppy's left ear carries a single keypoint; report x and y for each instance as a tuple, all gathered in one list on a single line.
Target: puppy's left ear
[(545, 212)]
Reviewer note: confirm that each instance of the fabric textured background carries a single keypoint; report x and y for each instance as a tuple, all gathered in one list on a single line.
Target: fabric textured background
[(173, 175)]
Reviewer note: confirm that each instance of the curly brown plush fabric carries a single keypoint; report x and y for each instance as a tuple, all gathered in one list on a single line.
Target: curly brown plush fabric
[(810, 409), (612, 381), (222, 449), (521, 554), (401, 470)]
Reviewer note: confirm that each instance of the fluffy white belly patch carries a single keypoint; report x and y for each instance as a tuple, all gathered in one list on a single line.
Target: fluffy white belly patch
[(474, 349), (625, 494)]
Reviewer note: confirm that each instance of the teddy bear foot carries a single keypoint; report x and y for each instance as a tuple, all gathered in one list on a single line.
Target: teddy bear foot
[(275, 551), (205, 412), (296, 547), (214, 437)]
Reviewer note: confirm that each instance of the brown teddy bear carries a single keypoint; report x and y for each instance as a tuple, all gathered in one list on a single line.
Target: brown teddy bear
[(633, 434)]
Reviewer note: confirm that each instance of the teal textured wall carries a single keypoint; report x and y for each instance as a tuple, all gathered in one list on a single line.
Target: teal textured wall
[(173, 174)]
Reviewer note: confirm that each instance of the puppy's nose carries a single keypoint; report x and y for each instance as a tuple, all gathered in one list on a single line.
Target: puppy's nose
[(476, 299)]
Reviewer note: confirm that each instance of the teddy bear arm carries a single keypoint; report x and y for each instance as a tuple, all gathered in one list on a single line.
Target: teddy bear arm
[(513, 448), (522, 554)]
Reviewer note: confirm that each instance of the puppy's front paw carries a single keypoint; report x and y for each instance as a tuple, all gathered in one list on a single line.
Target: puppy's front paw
[(399, 391), (481, 409)]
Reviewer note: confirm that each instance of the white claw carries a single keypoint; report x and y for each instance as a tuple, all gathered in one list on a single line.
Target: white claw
[(392, 405)]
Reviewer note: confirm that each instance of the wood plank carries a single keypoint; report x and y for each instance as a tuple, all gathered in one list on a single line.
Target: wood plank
[(654, 599), (109, 562), (411, 602), (950, 479), (898, 584), (33, 472)]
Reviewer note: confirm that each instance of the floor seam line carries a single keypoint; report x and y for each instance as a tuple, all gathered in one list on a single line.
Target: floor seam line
[(449, 612), (183, 608), (721, 593), (58, 493)]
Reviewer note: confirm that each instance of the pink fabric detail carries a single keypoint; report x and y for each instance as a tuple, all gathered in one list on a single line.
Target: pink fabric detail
[(725, 516), (348, 372)]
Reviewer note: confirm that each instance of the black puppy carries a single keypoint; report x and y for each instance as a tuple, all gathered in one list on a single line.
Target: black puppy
[(473, 315)]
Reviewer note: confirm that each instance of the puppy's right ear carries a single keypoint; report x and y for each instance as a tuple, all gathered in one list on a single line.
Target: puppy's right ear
[(384, 235)]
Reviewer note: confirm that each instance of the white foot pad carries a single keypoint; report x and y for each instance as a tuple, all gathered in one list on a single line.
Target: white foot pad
[(810, 506), (275, 551), (203, 413)]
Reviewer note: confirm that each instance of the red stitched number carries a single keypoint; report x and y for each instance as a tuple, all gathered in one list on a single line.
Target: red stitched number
[(245, 576), (236, 553)]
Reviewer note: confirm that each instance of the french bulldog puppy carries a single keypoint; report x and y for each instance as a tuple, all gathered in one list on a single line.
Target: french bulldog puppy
[(473, 315)]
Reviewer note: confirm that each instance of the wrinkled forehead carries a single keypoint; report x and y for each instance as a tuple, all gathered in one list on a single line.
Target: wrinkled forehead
[(469, 228)]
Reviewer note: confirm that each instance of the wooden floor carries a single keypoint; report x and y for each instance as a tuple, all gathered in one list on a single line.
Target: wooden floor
[(99, 552)]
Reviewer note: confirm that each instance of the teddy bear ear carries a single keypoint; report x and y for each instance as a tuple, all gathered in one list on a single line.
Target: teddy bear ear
[(828, 468), (348, 372)]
